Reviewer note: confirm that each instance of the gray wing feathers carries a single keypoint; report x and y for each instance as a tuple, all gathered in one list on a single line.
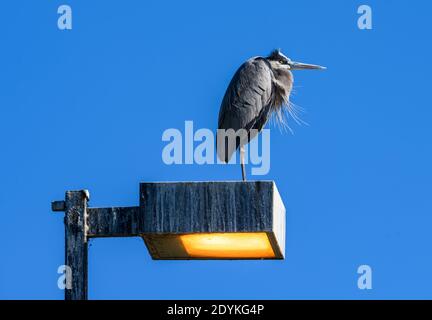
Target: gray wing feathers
[(247, 99)]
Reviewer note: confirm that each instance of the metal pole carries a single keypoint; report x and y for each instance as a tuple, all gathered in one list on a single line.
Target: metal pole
[(76, 247)]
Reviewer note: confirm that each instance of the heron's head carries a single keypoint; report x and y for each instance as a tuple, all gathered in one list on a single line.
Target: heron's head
[(280, 63), (281, 66)]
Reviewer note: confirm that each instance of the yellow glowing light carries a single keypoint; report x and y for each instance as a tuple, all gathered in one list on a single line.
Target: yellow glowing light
[(228, 245)]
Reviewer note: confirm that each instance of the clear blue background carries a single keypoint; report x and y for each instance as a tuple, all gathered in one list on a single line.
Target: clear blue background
[(86, 109)]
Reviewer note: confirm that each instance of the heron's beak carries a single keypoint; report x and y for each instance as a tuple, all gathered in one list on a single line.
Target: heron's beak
[(304, 66)]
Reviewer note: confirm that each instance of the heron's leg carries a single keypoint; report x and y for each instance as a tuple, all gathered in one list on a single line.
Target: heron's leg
[(242, 153)]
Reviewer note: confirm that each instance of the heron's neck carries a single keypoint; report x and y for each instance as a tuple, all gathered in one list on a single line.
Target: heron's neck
[(282, 82)]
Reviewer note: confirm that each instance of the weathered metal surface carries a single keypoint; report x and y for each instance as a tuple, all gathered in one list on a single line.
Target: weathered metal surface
[(76, 243), (58, 206), (175, 208), (114, 222), (187, 207)]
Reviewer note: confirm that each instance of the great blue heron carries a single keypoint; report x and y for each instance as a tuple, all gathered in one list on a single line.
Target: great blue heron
[(260, 87)]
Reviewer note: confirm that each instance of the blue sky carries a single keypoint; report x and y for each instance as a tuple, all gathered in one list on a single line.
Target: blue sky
[(86, 108)]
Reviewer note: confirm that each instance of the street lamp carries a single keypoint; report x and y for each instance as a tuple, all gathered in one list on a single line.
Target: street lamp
[(180, 220)]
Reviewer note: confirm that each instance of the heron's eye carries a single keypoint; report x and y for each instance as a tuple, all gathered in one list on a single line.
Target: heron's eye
[(282, 62)]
